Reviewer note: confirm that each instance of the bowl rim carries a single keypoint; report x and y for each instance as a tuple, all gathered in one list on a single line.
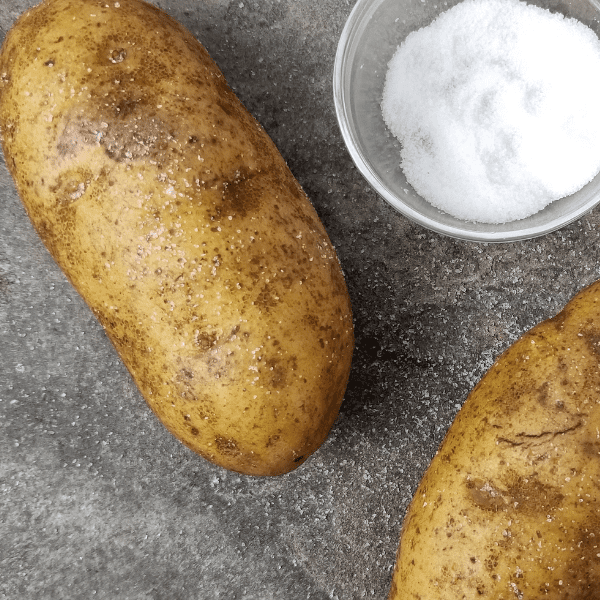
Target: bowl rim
[(362, 11)]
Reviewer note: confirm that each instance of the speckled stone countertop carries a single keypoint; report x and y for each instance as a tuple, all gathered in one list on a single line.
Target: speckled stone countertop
[(98, 500)]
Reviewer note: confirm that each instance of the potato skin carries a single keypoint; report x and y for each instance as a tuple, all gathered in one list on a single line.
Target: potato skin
[(175, 217), (510, 506)]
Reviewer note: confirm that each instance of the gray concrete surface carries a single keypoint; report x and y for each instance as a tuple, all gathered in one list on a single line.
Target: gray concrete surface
[(97, 500)]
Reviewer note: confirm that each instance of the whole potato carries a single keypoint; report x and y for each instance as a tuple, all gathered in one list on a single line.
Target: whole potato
[(510, 506), (175, 217)]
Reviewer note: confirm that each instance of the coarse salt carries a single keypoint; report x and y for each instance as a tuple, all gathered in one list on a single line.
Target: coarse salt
[(496, 106)]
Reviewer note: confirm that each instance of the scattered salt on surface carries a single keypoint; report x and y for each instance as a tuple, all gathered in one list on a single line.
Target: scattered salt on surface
[(497, 107)]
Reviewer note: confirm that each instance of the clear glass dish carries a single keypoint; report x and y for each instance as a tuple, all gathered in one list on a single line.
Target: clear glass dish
[(370, 37)]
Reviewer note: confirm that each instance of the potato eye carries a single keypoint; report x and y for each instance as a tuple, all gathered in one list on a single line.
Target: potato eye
[(117, 56)]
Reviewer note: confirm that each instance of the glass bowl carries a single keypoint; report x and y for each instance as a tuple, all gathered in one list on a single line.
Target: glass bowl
[(375, 28)]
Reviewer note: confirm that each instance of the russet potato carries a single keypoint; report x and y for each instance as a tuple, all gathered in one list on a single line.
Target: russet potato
[(175, 217), (509, 508)]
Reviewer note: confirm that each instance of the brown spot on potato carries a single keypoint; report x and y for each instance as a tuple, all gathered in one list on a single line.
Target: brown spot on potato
[(522, 494), (242, 195), (491, 562), (205, 340), (543, 393), (71, 185), (135, 138), (528, 494), (226, 445), (227, 107), (217, 365), (311, 321), (272, 440), (186, 374), (591, 448), (593, 342), (278, 373), (485, 496), (267, 298), (126, 129), (582, 577), (184, 383)]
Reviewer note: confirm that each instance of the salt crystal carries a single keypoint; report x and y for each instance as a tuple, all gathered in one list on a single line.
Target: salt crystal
[(495, 104)]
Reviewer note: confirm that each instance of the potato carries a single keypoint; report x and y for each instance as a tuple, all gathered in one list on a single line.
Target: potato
[(509, 508), (175, 217)]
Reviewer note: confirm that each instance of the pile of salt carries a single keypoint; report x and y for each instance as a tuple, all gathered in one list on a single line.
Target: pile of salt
[(497, 108)]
